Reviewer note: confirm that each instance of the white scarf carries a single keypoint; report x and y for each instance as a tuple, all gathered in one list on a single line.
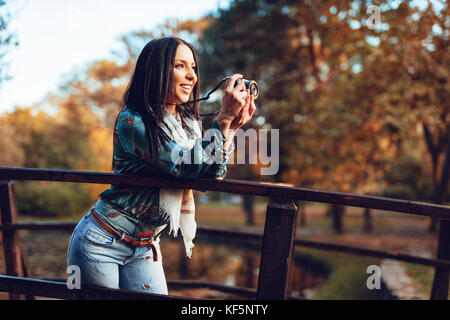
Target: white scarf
[(177, 201)]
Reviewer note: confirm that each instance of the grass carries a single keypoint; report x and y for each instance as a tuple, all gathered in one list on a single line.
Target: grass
[(347, 277), (349, 222), (227, 215), (422, 277)]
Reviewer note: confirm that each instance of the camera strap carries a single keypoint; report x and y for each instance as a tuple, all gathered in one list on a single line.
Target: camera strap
[(206, 98)]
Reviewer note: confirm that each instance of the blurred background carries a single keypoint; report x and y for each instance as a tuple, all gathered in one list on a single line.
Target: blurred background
[(359, 91)]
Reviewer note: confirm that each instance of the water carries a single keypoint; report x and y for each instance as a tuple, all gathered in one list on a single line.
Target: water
[(220, 260)]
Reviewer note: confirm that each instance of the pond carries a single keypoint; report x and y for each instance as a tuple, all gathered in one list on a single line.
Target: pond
[(214, 259)]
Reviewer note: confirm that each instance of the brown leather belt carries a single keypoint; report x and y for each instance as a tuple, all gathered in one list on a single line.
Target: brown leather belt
[(133, 242)]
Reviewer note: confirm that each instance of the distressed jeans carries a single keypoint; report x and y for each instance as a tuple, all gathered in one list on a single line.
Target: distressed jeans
[(107, 262)]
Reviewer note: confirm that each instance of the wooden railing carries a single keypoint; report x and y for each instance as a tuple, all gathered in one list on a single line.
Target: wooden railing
[(278, 239)]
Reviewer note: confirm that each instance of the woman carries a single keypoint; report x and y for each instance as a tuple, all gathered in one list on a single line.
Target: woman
[(116, 244)]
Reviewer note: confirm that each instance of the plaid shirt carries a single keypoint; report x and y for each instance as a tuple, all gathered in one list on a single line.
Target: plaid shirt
[(135, 210)]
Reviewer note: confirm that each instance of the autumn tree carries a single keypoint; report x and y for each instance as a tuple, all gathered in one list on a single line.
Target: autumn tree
[(348, 98), (33, 138), (416, 51), (294, 51)]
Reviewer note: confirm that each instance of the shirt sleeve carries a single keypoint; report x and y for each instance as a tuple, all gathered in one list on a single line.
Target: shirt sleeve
[(207, 158)]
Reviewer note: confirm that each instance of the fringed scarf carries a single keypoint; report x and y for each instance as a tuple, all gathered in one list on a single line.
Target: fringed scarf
[(179, 203)]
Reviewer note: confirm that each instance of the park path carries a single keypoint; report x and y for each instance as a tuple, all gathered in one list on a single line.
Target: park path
[(402, 234), (399, 283), (396, 278)]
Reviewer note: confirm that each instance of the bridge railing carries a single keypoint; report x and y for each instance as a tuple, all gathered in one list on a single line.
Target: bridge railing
[(278, 238)]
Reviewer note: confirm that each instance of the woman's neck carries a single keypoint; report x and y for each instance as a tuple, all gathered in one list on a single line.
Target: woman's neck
[(171, 108)]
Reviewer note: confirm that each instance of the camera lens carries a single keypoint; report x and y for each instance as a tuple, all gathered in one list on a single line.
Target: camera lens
[(253, 86), (250, 84)]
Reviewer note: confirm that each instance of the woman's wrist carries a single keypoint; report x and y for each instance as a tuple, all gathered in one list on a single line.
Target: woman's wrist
[(224, 124), (228, 133)]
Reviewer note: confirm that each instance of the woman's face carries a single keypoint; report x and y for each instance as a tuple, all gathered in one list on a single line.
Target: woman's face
[(184, 74)]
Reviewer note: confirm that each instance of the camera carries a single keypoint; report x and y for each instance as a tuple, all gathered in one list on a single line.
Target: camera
[(252, 85)]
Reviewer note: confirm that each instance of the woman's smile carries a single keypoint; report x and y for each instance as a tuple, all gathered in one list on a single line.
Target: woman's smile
[(187, 88), (184, 74)]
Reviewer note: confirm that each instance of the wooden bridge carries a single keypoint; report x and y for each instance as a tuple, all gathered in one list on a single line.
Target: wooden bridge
[(278, 239)]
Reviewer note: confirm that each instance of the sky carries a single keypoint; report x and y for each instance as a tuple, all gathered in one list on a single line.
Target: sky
[(57, 37)]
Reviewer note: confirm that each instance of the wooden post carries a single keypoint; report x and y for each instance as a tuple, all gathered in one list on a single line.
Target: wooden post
[(441, 275), (12, 248), (277, 250)]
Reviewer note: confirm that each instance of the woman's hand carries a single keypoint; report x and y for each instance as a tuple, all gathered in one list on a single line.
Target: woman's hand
[(238, 112), (234, 101), (245, 114), (242, 118)]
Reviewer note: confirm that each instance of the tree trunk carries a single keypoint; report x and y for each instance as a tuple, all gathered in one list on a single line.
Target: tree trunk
[(434, 150), (367, 220), (441, 185), (249, 271), (248, 207), (336, 218)]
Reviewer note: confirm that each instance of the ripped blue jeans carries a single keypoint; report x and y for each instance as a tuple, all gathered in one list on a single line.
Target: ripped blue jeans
[(108, 262)]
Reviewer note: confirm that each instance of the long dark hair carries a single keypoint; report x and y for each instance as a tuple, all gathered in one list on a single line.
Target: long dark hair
[(149, 87)]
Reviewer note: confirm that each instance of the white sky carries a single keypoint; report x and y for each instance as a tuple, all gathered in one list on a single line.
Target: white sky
[(57, 36)]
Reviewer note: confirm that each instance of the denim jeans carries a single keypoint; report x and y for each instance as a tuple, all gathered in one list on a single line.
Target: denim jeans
[(109, 262)]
